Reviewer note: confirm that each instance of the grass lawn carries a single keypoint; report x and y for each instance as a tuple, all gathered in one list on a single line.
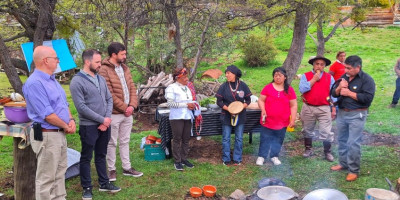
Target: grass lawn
[(379, 50)]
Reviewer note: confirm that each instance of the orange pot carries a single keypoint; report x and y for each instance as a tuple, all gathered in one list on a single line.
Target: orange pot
[(209, 190), (152, 138), (195, 192)]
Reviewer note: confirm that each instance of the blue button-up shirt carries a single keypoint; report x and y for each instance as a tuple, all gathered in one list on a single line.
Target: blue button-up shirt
[(44, 96), (304, 85)]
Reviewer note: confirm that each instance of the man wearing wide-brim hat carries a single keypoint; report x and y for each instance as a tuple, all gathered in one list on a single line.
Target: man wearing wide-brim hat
[(314, 87)]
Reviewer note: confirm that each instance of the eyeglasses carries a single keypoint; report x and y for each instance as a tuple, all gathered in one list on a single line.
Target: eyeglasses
[(57, 58)]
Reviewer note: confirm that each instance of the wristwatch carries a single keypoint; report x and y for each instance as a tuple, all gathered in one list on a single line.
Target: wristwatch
[(73, 119)]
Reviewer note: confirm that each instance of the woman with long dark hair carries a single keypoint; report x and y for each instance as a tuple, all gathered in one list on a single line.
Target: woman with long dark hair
[(232, 90), (278, 106)]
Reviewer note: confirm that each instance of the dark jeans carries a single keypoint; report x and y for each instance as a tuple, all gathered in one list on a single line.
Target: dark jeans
[(396, 94), (181, 135), (271, 141), (93, 139)]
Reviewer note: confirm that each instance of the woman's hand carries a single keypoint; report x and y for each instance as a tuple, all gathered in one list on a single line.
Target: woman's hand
[(292, 123), (191, 106)]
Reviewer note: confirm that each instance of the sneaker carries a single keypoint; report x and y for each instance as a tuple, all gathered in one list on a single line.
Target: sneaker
[(112, 175), (187, 164), (260, 161), (132, 172), (226, 163), (109, 187), (87, 194), (307, 153), (178, 166), (392, 106), (237, 163), (276, 161)]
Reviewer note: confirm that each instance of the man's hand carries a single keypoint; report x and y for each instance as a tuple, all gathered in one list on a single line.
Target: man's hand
[(102, 127), (245, 105), (128, 111), (333, 113), (345, 92), (72, 125), (107, 122), (317, 75), (68, 130), (191, 106), (343, 83)]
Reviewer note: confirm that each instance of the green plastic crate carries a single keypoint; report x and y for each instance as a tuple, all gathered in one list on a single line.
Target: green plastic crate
[(153, 152)]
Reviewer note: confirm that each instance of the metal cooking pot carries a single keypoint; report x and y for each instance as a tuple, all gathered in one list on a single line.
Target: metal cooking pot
[(276, 193), (325, 194)]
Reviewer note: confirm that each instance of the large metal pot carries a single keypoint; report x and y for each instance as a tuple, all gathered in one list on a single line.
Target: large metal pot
[(276, 193), (380, 194), (325, 194)]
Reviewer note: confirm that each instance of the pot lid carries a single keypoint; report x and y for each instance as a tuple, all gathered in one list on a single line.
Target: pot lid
[(325, 194), (16, 104)]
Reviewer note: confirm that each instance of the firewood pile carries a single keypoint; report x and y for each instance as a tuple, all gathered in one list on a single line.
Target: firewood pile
[(152, 94)]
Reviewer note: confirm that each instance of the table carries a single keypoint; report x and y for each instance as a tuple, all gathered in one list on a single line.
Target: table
[(20, 130), (211, 125)]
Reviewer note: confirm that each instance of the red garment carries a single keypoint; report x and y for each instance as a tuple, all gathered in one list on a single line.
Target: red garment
[(192, 90), (277, 107), (338, 70), (319, 92)]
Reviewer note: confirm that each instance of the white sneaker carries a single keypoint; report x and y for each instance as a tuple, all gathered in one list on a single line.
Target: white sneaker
[(260, 161), (276, 161)]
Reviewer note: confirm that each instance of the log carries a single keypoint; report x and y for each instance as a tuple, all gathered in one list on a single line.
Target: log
[(24, 172), (155, 83)]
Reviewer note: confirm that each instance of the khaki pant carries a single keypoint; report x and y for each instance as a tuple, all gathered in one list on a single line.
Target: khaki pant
[(121, 128), (51, 154), (310, 115)]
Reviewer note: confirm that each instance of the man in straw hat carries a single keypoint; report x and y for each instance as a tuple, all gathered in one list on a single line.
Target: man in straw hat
[(314, 87)]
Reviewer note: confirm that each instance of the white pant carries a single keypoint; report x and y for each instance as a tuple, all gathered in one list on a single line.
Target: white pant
[(121, 127)]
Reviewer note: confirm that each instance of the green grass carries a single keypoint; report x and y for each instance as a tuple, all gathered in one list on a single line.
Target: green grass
[(379, 50)]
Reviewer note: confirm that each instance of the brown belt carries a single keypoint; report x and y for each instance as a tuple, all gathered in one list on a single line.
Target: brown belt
[(52, 130), (358, 109)]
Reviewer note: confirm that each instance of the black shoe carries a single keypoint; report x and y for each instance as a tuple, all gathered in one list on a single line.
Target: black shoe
[(87, 194), (187, 164), (226, 163), (109, 187), (178, 166)]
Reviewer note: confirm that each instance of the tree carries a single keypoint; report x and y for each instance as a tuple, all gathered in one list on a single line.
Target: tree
[(296, 51), (325, 11)]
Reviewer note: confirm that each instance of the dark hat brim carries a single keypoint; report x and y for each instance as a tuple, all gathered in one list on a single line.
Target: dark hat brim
[(327, 61)]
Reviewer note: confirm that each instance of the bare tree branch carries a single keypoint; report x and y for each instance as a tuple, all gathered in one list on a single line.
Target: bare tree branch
[(336, 26), (284, 12), (19, 35)]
